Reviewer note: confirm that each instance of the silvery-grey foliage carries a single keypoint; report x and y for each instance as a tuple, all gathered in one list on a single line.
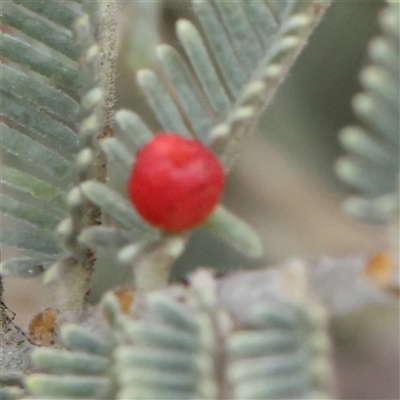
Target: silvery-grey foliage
[(230, 68), (373, 163), (195, 342), (248, 335), (215, 91), (40, 105), (78, 371)]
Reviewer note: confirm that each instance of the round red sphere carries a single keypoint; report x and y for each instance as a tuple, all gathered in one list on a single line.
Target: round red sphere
[(176, 182)]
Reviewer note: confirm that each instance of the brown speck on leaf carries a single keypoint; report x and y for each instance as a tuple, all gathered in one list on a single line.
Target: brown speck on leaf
[(42, 328), (108, 132), (317, 8)]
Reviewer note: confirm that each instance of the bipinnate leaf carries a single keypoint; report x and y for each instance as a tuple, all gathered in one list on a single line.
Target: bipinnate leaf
[(231, 67), (372, 165), (40, 106), (210, 338), (234, 57), (58, 88), (195, 342), (80, 371)]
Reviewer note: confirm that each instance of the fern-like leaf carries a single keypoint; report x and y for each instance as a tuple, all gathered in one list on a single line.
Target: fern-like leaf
[(372, 165), (231, 67), (40, 105), (196, 342), (215, 91), (57, 96), (213, 338), (80, 371)]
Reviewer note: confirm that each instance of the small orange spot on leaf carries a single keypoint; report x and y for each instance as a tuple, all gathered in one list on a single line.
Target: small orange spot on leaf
[(125, 296), (43, 326), (381, 270)]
